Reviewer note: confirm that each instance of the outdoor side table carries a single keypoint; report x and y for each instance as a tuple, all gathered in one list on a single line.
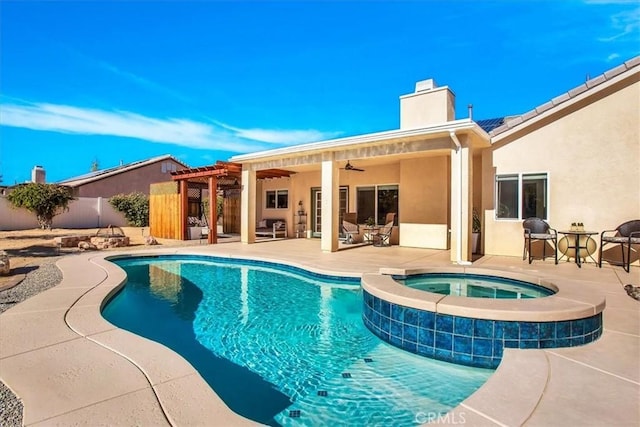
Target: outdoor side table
[(368, 233), (578, 240)]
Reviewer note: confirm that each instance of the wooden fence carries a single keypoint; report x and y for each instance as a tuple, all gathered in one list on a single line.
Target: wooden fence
[(231, 214), (164, 210)]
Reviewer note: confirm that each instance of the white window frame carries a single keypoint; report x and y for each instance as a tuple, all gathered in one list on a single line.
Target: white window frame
[(520, 176), (276, 193)]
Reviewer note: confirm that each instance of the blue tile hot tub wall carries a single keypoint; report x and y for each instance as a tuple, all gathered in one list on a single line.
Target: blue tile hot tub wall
[(467, 341)]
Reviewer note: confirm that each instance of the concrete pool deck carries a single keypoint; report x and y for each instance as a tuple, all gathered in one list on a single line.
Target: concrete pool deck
[(70, 366)]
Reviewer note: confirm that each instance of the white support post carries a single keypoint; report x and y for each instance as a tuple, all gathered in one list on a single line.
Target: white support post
[(248, 206), (330, 204)]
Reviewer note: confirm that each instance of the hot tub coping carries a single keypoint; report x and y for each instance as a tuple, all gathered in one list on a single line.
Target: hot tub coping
[(561, 306)]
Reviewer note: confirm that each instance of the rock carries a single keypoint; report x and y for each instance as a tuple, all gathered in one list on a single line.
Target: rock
[(150, 240), (70, 241), (633, 291), (5, 264), (86, 246)]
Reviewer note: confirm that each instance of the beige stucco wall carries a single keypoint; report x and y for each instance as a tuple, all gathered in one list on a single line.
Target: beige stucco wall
[(591, 156), (425, 190), (135, 180)]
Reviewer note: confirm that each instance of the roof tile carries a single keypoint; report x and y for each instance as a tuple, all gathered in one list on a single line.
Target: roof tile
[(560, 99), (596, 81), (498, 130), (529, 115), (544, 107), (633, 62), (578, 90), (515, 121), (615, 71)]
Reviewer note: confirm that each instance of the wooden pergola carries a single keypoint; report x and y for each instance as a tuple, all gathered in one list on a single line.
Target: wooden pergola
[(220, 176)]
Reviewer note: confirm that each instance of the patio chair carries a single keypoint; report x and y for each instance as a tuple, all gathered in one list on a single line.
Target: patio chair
[(627, 234), (382, 236), (391, 217), (351, 231), (536, 229)]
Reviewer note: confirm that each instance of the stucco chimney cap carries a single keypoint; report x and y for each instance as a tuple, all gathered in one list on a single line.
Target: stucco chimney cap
[(425, 85)]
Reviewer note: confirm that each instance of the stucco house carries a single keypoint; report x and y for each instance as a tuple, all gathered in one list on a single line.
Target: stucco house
[(573, 159), (124, 179)]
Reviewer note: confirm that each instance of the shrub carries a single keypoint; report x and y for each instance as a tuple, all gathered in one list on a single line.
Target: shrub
[(219, 207), (134, 206), (45, 200)]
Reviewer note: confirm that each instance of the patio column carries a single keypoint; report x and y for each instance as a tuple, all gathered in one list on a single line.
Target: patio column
[(213, 210), (460, 201), (248, 205), (330, 204)]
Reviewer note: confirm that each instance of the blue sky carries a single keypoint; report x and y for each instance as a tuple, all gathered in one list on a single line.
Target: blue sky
[(121, 81)]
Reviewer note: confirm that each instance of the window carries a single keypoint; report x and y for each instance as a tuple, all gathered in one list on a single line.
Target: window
[(376, 202), (277, 199), (521, 196), (168, 167)]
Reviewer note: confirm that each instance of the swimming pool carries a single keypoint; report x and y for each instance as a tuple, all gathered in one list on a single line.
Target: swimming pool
[(283, 346), (474, 286)]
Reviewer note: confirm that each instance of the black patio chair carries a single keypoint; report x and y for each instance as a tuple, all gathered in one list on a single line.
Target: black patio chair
[(536, 229), (627, 234)]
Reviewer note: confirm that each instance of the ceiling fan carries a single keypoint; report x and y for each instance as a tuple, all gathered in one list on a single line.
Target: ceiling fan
[(350, 167)]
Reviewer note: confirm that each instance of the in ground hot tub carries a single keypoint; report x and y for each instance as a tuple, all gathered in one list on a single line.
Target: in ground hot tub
[(474, 330), (474, 286)]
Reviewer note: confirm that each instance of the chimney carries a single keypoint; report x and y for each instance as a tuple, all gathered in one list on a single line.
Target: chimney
[(428, 105), (38, 175)]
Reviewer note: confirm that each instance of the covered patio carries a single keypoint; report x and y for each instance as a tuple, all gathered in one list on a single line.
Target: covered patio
[(435, 170)]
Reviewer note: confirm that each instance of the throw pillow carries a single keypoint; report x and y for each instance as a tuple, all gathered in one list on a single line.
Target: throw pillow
[(262, 223)]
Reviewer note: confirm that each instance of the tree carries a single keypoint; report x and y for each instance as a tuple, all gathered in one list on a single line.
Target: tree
[(134, 206), (95, 165), (45, 200)]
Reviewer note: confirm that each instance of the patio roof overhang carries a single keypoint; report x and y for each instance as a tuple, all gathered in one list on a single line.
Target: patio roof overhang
[(399, 142), (227, 174)]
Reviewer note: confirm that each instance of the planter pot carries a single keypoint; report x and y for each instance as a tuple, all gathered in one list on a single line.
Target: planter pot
[(475, 243)]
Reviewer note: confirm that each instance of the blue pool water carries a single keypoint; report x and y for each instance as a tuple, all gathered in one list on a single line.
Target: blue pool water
[(474, 286), (281, 346)]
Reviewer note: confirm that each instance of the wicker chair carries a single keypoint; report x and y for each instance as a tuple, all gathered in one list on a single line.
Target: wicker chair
[(536, 229), (626, 234)]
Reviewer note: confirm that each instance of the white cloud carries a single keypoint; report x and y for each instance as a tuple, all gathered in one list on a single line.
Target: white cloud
[(281, 137), (183, 132), (141, 81), (624, 24), (613, 57)]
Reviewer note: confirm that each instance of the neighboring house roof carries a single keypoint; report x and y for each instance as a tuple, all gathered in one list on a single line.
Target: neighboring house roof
[(101, 174), (559, 102)]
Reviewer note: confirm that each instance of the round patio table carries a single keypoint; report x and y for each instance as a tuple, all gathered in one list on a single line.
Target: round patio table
[(577, 240)]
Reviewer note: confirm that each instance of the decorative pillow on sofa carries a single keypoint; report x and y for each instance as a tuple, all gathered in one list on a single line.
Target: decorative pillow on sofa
[(278, 224), (262, 223)]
